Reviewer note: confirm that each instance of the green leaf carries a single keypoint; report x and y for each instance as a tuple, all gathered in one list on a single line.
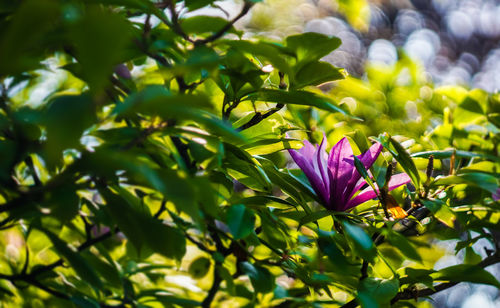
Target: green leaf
[(316, 73), (360, 241), (441, 211), (481, 180), (311, 46), (77, 262), (295, 98), (327, 246), (26, 35), (244, 168), (268, 146), (199, 267), (84, 302), (314, 216), (100, 40), (402, 244), (66, 118), (466, 272), (458, 153), (158, 101), (373, 292), (402, 157), (364, 173), (240, 221), (266, 52), (203, 24), (143, 229), (197, 4), (260, 277)]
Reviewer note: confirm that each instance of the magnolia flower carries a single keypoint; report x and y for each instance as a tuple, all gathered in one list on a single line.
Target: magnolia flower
[(334, 177)]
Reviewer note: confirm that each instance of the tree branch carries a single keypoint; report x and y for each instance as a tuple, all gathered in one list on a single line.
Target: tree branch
[(221, 32)]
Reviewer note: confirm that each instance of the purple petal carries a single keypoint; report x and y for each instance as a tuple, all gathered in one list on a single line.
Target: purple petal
[(368, 193), (496, 195), (339, 171), (304, 158), (322, 163), (122, 71), (367, 158)]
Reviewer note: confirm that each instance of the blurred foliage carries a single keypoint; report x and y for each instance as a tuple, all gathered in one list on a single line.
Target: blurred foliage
[(143, 165)]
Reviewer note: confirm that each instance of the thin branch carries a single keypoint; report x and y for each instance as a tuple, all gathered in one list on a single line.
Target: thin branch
[(213, 290), (258, 117), (415, 293), (221, 32), (174, 25)]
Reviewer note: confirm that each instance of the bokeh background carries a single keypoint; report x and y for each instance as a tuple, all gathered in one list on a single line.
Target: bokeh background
[(451, 42)]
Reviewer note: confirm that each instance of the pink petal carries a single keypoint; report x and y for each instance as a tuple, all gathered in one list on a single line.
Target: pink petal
[(367, 158), (322, 163), (304, 158), (368, 193), (340, 169)]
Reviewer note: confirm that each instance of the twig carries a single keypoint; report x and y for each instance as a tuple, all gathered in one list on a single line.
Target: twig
[(411, 294), (213, 290), (221, 32), (258, 117)]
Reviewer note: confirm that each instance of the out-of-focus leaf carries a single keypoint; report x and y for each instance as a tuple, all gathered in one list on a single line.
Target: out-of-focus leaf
[(262, 280), (158, 101), (268, 146), (316, 73), (77, 262), (165, 298), (84, 302), (142, 229), (100, 39), (196, 4), (402, 244), (376, 292), (402, 157), (466, 272), (314, 216), (66, 117), (360, 241), (458, 153), (265, 52), (204, 24), (441, 211), (199, 267), (24, 37), (296, 98), (311, 46), (482, 180), (240, 221), (327, 246)]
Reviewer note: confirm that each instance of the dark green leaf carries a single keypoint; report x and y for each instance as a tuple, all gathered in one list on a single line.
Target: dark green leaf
[(204, 24), (296, 98), (373, 292), (314, 216), (311, 46), (402, 244), (240, 221), (458, 153), (482, 180), (466, 272), (77, 262), (316, 73), (360, 241), (199, 267), (262, 280), (441, 211)]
